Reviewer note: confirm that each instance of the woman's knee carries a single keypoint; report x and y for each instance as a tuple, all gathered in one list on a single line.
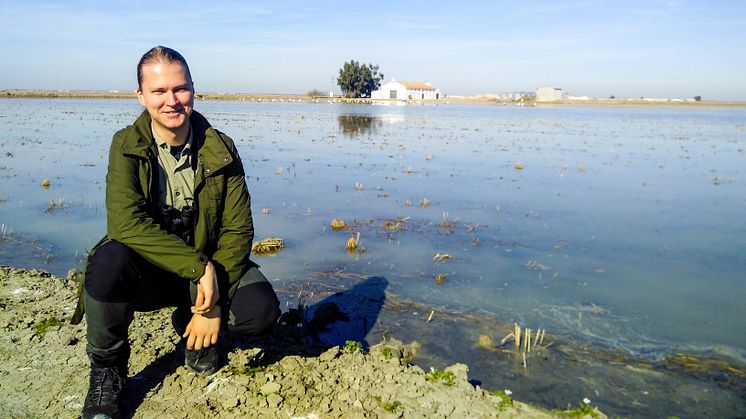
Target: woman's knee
[(254, 310)]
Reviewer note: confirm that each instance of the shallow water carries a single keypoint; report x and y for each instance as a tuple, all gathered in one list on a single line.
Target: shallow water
[(624, 228)]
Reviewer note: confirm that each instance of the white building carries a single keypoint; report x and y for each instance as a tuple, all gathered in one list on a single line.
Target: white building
[(402, 90), (548, 94)]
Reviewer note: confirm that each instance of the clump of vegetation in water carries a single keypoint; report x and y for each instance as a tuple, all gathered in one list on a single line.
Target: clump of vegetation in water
[(6, 232), (446, 377), (338, 224), (353, 242), (60, 203), (270, 246), (43, 326)]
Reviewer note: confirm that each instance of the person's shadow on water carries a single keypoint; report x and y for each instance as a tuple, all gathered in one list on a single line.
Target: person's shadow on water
[(347, 315), (305, 331), (344, 316)]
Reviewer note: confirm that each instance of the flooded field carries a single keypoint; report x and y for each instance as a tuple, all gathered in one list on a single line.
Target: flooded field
[(618, 230)]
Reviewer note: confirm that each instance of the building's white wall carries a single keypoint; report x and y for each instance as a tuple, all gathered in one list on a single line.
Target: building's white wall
[(402, 93), (384, 92), (548, 94), (423, 94)]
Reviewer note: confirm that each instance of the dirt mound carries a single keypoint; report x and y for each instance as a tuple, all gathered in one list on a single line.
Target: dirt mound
[(44, 370)]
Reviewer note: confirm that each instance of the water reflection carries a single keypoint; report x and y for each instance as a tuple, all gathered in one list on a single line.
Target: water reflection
[(358, 125)]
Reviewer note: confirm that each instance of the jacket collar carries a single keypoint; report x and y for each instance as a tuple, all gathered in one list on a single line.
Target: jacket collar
[(213, 154)]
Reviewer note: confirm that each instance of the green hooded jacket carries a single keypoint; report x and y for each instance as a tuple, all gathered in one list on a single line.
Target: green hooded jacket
[(223, 230)]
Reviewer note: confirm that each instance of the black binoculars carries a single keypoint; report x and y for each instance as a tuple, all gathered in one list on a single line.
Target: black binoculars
[(180, 223)]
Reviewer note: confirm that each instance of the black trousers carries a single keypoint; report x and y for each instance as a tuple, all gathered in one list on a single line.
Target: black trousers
[(119, 282)]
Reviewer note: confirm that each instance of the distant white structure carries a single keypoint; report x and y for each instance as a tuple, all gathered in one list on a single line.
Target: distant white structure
[(548, 94), (403, 90), (513, 96)]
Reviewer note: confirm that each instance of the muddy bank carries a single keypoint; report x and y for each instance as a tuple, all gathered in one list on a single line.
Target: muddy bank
[(44, 370)]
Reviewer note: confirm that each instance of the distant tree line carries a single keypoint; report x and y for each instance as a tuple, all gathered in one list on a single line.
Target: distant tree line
[(316, 93)]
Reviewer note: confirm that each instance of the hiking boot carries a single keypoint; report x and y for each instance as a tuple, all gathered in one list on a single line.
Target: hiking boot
[(203, 361), (102, 401)]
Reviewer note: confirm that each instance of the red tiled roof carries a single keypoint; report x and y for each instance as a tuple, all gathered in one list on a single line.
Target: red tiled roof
[(418, 85)]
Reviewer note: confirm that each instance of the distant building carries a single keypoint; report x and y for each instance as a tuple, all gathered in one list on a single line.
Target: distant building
[(516, 96), (402, 90), (548, 94)]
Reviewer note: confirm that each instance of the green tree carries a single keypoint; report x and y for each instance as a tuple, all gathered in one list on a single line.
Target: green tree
[(358, 80)]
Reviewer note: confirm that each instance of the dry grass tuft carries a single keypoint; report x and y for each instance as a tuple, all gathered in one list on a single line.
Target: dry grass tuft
[(270, 246)]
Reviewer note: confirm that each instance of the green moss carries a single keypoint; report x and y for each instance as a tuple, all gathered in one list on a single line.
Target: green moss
[(446, 377), (352, 346), (505, 399), (581, 411), (43, 326), (387, 353), (389, 407), (245, 370)]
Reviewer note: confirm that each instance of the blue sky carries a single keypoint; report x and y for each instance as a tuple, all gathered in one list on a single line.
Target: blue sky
[(651, 48)]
